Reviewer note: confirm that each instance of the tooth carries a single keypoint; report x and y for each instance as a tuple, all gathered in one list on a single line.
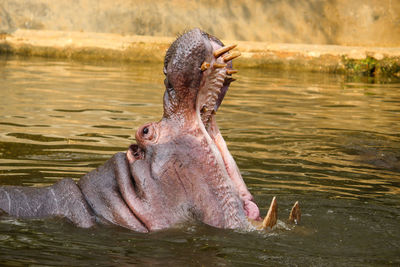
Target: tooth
[(217, 65), (231, 56), (229, 72), (224, 49), (295, 213), (272, 215), (205, 66)]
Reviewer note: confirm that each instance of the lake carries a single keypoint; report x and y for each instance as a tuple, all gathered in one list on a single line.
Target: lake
[(332, 142)]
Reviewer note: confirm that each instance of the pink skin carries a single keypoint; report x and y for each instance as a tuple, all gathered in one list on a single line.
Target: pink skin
[(250, 207), (173, 183), (181, 166), (179, 170)]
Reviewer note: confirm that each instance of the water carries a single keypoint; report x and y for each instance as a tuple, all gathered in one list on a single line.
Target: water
[(331, 142)]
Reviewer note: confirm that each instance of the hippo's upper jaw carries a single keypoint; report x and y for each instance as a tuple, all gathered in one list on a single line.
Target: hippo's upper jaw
[(180, 167)]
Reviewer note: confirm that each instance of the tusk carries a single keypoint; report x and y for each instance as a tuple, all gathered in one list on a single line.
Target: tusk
[(223, 49), (229, 72), (295, 213), (272, 215), (217, 65), (205, 66), (231, 56)]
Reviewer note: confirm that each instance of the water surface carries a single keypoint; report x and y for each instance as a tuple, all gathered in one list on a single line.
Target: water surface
[(331, 142)]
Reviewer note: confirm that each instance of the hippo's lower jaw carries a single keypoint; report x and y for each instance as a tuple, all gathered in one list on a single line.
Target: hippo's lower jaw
[(217, 76)]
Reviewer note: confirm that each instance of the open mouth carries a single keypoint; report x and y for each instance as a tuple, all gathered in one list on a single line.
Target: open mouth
[(215, 80), (217, 76), (185, 86)]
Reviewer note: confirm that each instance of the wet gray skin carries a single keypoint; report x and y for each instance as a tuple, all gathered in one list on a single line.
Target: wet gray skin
[(179, 170)]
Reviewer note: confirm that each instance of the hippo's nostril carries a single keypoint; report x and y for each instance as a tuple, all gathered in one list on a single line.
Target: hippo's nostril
[(134, 147), (136, 151), (145, 130)]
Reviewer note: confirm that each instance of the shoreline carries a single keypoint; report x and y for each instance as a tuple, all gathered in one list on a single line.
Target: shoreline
[(368, 61)]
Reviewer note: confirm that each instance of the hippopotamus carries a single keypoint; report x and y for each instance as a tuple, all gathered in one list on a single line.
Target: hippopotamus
[(180, 168)]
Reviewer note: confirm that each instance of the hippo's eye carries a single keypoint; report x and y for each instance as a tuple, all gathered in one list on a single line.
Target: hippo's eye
[(147, 133)]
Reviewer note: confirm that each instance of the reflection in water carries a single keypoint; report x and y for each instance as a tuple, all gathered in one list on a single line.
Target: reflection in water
[(332, 143)]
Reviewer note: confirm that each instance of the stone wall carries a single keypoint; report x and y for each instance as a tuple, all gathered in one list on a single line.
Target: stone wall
[(342, 22)]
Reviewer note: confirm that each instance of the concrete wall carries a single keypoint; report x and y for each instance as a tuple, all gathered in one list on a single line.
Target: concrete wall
[(342, 22)]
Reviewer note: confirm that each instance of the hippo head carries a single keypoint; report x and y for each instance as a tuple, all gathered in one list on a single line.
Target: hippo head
[(180, 167)]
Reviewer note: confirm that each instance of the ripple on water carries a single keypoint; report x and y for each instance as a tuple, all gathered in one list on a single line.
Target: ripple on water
[(328, 141)]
